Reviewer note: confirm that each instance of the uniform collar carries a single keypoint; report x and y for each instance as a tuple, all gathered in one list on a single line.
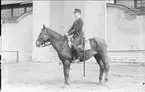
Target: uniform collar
[(78, 17)]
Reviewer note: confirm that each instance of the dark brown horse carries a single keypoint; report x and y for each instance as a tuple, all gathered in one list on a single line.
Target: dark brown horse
[(60, 43)]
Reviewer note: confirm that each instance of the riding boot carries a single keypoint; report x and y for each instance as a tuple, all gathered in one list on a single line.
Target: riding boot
[(77, 59), (76, 55), (79, 52)]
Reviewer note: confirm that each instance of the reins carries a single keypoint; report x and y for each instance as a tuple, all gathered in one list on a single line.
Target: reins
[(58, 40)]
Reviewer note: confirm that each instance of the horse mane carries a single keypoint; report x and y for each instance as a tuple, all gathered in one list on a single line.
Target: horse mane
[(55, 34)]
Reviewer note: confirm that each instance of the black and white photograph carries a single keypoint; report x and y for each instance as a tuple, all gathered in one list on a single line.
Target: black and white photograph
[(72, 46)]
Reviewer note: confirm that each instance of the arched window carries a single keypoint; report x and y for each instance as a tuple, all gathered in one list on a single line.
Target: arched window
[(18, 11), (13, 11), (139, 3), (6, 13)]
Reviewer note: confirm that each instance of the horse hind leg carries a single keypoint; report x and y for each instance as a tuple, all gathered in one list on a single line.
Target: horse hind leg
[(106, 67), (98, 59)]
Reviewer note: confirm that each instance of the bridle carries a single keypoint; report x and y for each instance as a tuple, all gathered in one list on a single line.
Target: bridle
[(62, 39), (56, 40), (45, 41)]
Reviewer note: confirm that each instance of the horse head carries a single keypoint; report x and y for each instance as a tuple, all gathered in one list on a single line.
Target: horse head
[(43, 38)]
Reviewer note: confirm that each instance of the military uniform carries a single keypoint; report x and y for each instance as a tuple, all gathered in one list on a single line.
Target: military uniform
[(76, 28), (77, 32)]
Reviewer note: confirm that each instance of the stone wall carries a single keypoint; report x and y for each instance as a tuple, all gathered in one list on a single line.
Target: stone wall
[(126, 56)]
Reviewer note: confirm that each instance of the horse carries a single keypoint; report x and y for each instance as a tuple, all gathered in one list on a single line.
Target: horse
[(98, 50)]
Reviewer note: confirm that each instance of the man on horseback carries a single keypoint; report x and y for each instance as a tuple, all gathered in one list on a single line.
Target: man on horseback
[(77, 33)]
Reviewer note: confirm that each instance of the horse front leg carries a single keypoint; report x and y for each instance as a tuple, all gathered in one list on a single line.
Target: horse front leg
[(66, 69)]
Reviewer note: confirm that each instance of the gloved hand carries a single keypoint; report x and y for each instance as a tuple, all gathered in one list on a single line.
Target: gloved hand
[(66, 34)]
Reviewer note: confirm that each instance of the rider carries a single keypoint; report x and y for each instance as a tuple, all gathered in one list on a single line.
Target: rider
[(76, 31)]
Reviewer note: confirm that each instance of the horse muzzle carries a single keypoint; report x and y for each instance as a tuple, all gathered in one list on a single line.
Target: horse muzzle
[(37, 44), (46, 44)]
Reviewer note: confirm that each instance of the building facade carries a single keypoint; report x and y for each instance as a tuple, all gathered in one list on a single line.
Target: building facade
[(120, 23)]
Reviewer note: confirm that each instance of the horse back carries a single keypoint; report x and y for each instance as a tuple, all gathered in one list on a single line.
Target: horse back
[(99, 45)]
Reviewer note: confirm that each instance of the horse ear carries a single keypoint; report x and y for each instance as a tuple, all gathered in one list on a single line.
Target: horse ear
[(43, 26)]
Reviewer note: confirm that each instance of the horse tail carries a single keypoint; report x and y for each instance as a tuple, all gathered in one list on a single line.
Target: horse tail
[(98, 42), (93, 44)]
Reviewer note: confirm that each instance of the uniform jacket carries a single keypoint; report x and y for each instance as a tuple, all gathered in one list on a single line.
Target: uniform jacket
[(76, 27)]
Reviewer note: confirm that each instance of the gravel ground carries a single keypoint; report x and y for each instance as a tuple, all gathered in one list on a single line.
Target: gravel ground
[(48, 77)]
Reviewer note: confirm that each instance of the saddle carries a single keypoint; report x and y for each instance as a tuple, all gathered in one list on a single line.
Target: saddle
[(76, 43), (79, 51)]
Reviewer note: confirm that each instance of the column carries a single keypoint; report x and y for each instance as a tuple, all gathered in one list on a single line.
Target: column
[(94, 19), (41, 15), (142, 33)]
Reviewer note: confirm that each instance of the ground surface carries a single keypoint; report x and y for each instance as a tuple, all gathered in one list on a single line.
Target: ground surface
[(48, 77)]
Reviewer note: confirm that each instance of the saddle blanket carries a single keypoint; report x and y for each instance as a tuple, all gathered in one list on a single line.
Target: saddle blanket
[(87, 44)]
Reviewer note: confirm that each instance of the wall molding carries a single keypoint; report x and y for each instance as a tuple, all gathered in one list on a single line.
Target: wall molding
[(16, 20), (134, 11)]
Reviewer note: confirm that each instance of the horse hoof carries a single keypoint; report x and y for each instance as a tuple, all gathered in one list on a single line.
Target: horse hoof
[(106, 80), (100, 82), (65, 86)]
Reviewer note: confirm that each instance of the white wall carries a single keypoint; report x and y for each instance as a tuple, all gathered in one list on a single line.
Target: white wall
[(125, 32), (94, 19), (17, 36)]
